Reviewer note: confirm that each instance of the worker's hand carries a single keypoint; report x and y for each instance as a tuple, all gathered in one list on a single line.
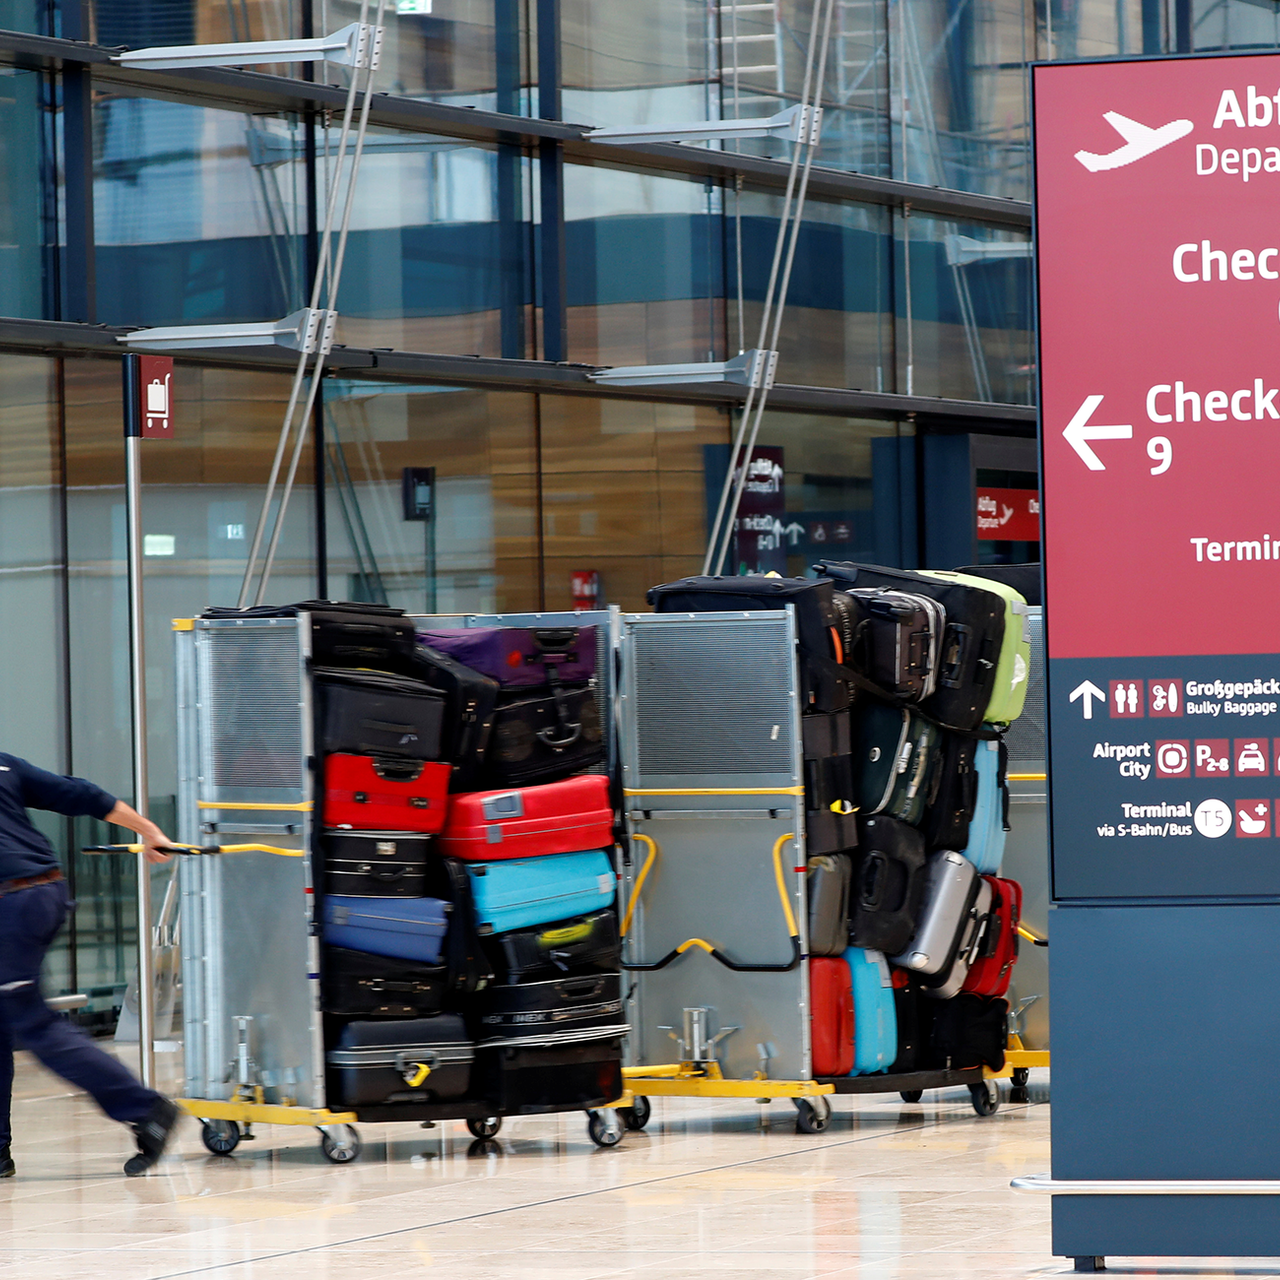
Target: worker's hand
[(152, 837)]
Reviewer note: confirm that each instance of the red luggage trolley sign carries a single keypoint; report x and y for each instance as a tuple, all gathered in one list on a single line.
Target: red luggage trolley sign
[(1159, 285)]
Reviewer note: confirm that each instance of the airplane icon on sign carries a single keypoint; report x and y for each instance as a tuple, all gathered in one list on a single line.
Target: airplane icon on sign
[(1140, 140)]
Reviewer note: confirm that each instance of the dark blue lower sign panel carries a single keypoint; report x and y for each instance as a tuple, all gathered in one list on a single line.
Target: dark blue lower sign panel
[(1165, 777), (1165, 1038)]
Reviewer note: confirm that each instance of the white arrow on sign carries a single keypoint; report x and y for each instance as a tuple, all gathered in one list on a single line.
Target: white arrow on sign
[(1078, 434), (1088, 691)]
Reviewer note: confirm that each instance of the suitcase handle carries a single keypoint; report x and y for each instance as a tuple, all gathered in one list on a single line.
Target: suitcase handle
[(871, 891), (398, 770), (951, 668), (581, 986), (384, 875), (555, 643), (550, 738)]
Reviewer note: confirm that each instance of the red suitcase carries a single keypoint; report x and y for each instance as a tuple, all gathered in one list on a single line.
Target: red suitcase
[(365, 794), (997, 951), (831, 1015), (571, 816)]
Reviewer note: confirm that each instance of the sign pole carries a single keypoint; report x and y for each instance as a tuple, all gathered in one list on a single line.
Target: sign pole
[(138, 686)]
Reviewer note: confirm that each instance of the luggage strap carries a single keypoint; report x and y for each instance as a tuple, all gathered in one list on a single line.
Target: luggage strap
[(714, 952), (565, 732)]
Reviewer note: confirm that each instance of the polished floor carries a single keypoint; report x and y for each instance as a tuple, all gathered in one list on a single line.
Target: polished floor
[(891, 1191)]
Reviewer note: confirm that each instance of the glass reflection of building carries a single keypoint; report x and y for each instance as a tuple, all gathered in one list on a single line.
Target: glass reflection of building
[(494, 253)]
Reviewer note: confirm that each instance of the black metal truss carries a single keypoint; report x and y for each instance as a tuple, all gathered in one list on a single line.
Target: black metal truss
[(485, 372), (253, 91)]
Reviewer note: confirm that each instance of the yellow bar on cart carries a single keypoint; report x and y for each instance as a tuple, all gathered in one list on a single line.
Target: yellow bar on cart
[(262, 1112), (1026, 777), (304, 807), (677, 1086)]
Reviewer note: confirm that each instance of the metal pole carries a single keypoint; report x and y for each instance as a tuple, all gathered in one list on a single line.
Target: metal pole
[(138, 681)]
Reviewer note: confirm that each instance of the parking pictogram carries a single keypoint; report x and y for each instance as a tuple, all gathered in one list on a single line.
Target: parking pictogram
[(1213, 757)]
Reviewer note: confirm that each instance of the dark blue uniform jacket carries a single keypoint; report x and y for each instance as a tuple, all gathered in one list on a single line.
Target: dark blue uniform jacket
[(23, 850)]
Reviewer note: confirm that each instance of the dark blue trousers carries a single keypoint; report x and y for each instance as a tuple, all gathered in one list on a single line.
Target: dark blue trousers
[(29, 922)]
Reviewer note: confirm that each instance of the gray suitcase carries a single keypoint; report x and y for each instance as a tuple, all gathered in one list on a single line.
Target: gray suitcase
[(951, 888), (971, 934), (828, 882)]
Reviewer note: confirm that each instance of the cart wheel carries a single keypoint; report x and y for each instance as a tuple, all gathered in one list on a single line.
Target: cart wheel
[(220, 1137), (986, 1097), (812, 1114), (636, 1116), (485, 1128), (604, 1128), (340, 1144), (1020, 1077), (911, 1095)]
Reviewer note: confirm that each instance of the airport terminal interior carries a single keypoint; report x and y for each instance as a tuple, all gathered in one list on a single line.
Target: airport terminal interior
[(550, 279)]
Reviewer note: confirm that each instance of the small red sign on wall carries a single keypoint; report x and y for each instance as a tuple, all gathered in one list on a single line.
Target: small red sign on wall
[(1009, 515)]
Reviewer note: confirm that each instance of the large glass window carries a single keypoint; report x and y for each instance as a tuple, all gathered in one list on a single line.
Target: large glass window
[(199, 214), (470, 542), (24, 195), (624, 493), (439, 252)]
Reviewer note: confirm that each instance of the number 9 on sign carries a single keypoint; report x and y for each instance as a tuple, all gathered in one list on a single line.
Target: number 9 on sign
[(1160, 451)]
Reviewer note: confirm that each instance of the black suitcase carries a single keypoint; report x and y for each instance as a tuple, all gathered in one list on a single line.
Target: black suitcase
[(971, 641), (583, 1003), (573, 1075), (370, 713), (888, 890), (946, 820), (828, 881), (830, 790), (469, 968), (823, 686), (893, 639), (421, 1060), (577, 945), (543, 734), (897, 753), (343, 634), (375, 864), (1023, 578), (971, 1031), (913, 1052), (354, 984), (470, 700)]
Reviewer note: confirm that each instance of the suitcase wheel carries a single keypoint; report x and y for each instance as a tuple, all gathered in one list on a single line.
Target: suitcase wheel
[(911, 1095), (813, 1115), (986, 1097), (340, 1143), (484, 1128), (636, 1116), (604, 1128), (220, 1137)]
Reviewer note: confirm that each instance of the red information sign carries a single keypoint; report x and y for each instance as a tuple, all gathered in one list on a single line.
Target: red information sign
[(1009, 515), (156, 396), (1157, 184)]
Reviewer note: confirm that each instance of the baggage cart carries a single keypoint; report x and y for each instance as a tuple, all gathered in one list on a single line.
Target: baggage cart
[(713, 871), (254, 1030)]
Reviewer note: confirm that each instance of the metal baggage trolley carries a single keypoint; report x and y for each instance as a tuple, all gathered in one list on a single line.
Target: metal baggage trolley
[(714, 927), (253, 1025)]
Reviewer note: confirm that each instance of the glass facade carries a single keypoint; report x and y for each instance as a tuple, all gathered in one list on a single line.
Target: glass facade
[(491, 266)]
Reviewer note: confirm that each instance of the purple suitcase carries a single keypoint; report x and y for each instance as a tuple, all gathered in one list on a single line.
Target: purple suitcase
[(517, 657)]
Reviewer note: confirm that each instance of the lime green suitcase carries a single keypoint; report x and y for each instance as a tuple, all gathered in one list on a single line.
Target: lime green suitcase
[(1014, 664)]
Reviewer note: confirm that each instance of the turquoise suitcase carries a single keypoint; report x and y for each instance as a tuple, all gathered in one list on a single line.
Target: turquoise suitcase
[(991, 809), (875, 1023), (520, 892)]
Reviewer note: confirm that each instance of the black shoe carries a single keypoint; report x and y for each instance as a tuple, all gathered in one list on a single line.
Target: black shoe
[(152, 1132), (7, 1167)]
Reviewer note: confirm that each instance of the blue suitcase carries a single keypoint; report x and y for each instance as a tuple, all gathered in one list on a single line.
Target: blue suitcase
[(399, 928), (875, 1023), (991, 809), (520, 892)]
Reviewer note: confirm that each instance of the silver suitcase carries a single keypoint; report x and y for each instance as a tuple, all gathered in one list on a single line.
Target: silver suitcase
[(951, 888), (972, 933), (828, 882)]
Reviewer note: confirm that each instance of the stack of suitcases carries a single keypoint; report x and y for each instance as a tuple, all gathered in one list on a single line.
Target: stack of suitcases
[(908, 680), (470, 951)]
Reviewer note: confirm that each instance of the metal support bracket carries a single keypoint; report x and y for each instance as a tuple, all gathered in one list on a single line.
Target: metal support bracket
[(309, 330), (754, 368), (801, 123), (357, 45)]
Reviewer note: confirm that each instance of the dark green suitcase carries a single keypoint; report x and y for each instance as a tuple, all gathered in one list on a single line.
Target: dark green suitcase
[(897, 760)]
